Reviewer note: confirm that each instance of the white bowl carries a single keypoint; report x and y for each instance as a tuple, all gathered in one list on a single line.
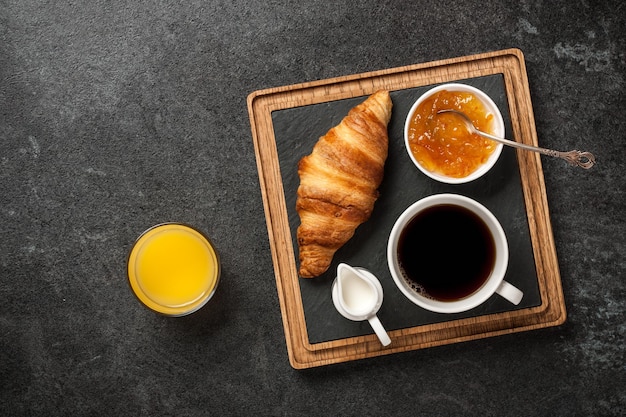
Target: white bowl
[(497, 130)]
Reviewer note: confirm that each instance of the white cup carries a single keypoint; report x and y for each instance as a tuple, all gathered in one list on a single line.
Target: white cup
[(494, 282)]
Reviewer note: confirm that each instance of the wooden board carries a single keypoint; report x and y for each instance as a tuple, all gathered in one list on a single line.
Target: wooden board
[(550, 308)]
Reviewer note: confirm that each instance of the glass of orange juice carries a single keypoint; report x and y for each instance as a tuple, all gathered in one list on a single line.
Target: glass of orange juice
[(173, 269)]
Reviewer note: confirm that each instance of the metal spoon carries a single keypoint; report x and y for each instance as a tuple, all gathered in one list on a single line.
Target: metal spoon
[(582, 159)]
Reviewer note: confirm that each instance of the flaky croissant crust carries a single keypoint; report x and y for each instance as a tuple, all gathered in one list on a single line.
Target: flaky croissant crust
[(339, 182)]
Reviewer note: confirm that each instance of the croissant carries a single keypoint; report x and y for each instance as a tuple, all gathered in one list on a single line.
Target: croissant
[(339, 182)]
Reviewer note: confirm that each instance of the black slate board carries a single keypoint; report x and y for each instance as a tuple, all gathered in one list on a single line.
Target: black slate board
[(297, 129)]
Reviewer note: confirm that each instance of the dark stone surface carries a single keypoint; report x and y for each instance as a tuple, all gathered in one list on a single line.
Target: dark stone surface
[(115, 116)]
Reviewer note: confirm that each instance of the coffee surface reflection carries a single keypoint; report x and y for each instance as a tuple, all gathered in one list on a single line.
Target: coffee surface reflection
[(446, 252)]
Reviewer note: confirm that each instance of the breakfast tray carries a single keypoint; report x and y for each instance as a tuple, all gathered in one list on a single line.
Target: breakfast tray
[(287, 121)]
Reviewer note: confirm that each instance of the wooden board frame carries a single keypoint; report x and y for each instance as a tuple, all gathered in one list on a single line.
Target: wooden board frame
[(261, 104)]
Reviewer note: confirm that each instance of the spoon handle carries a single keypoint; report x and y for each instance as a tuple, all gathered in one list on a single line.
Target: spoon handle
[(575, 158)]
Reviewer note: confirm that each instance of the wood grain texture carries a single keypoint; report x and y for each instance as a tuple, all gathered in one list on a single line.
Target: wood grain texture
[(303, 354)]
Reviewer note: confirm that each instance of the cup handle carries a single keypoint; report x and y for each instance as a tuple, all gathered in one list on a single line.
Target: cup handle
[(510, 292), (380, 330)]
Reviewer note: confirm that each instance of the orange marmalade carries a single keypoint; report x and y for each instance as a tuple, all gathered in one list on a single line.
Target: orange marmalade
[(441, 143)]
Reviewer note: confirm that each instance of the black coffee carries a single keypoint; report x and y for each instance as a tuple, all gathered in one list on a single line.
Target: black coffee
[(446, 252)]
